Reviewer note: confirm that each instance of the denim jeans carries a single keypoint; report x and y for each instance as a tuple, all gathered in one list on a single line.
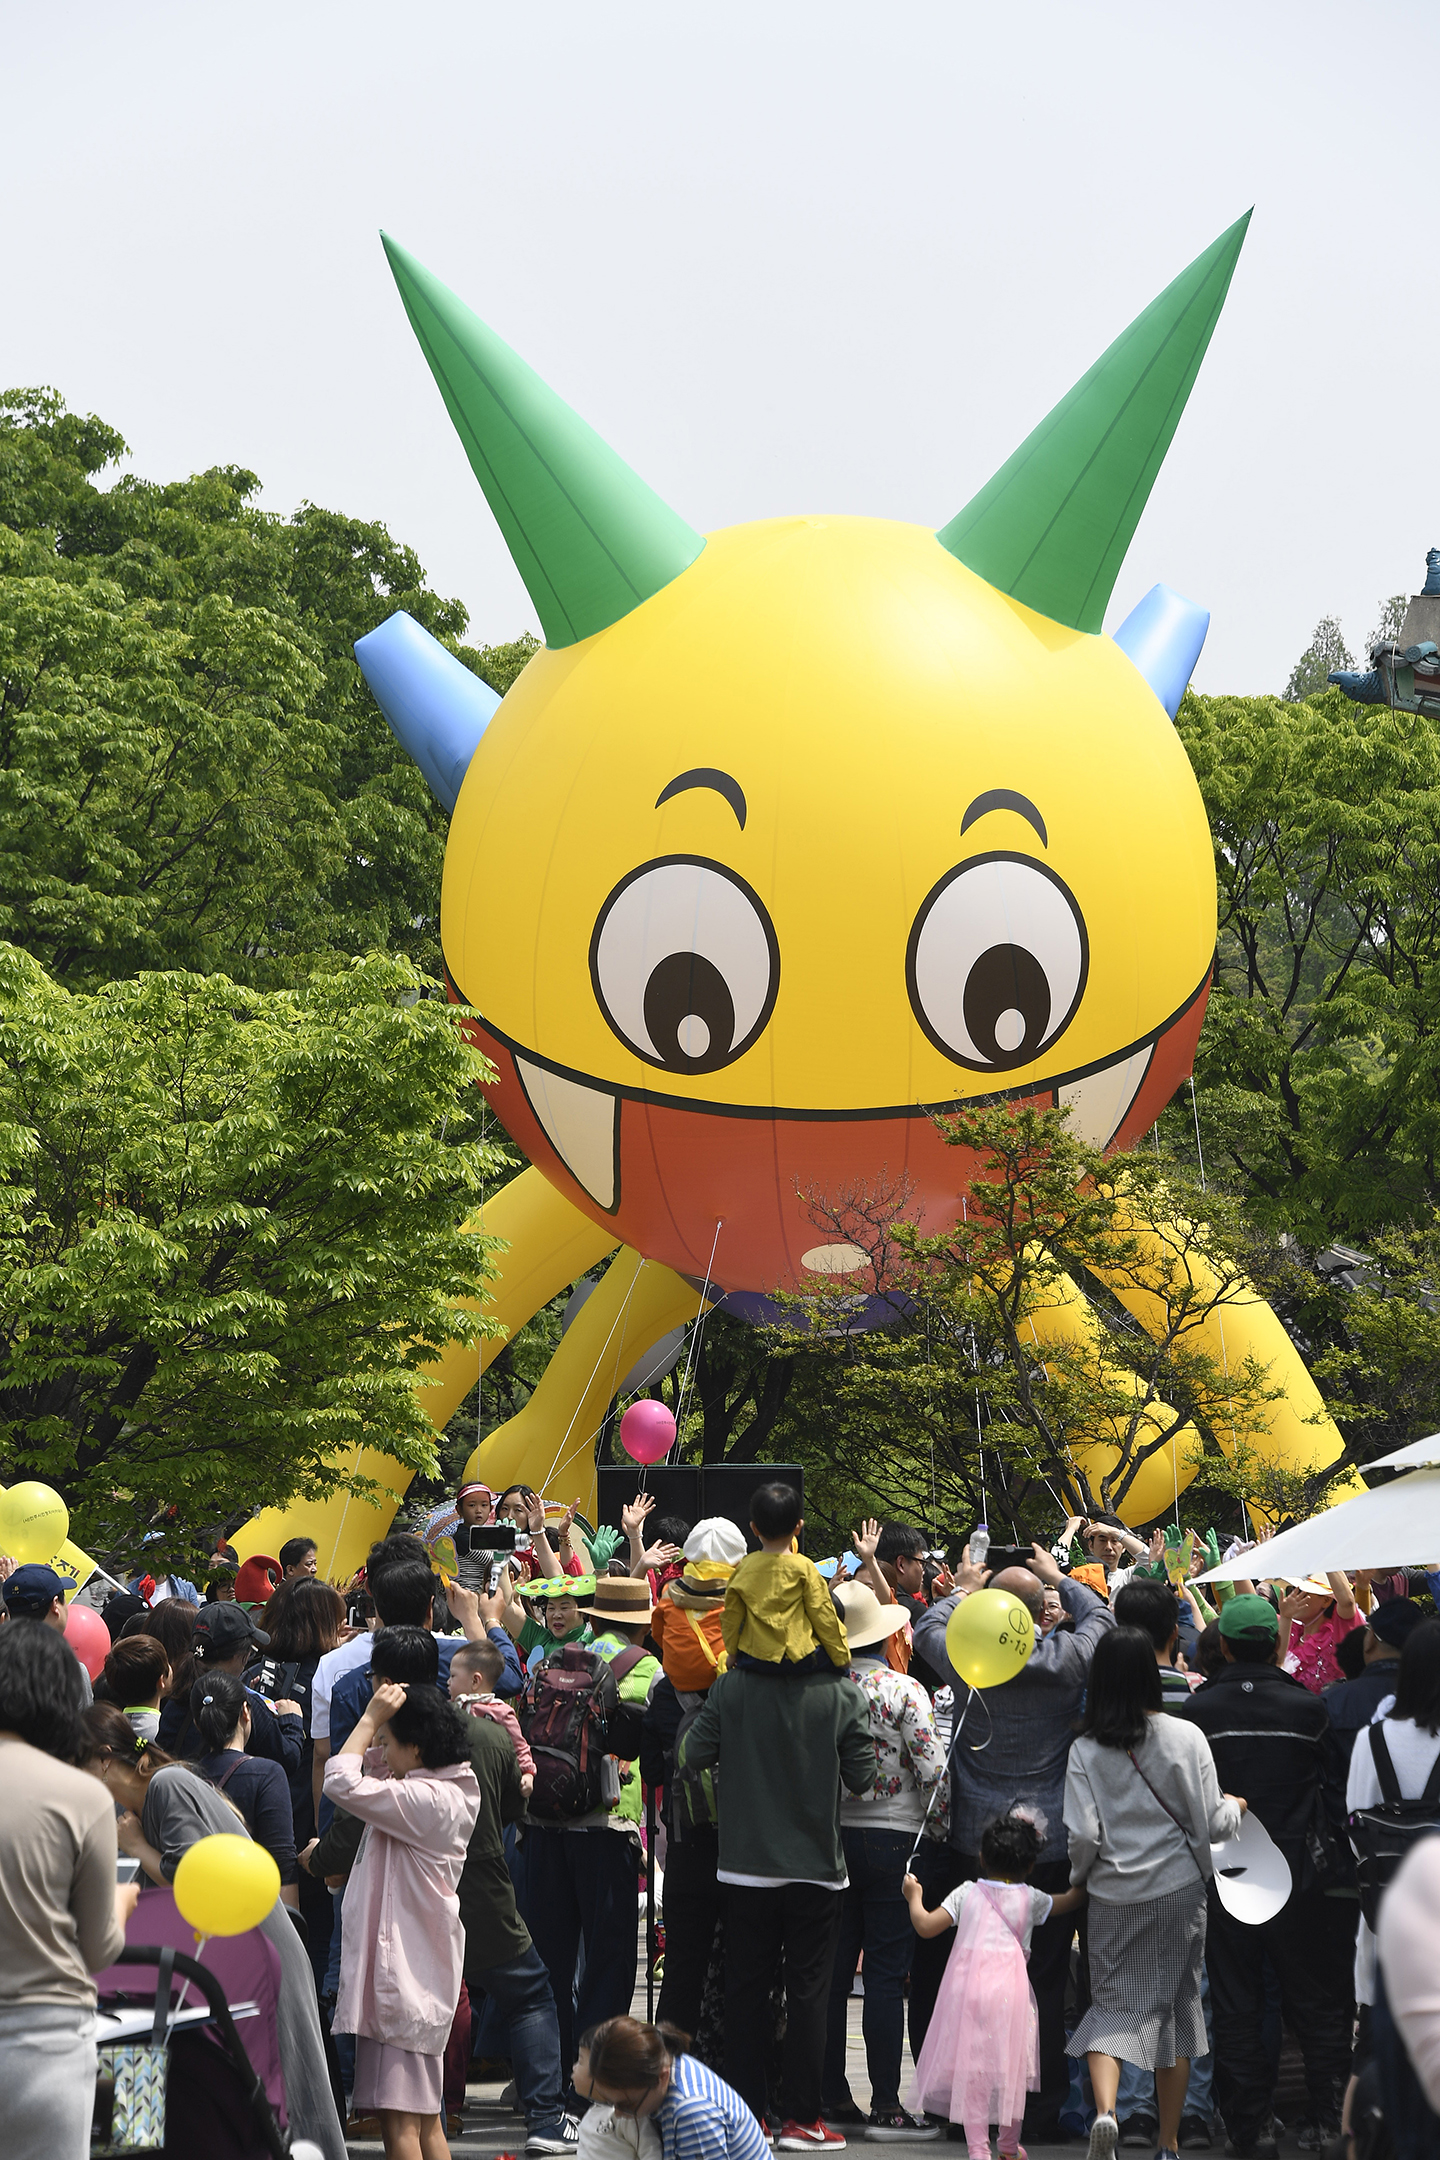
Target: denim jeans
[(874, 1918), (523, 1992), (582, 1886), (344, 2042)]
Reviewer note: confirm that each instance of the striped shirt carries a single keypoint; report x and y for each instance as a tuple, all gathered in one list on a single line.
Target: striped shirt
[(703, 2118)]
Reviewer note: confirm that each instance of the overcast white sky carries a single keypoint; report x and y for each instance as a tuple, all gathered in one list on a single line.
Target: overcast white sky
[(792, 256)]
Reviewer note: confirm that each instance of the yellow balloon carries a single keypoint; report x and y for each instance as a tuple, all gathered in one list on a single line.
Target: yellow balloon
[(34, 1522), (989, 1636), (226, 1884)]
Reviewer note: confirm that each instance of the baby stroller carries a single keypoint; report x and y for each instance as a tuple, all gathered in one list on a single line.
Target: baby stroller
[(179, 2079)]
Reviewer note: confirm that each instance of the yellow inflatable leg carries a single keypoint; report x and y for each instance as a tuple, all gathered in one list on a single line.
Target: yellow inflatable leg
[(1295, 1432), (1068, 1316), (549, 1244), (551, 1444)]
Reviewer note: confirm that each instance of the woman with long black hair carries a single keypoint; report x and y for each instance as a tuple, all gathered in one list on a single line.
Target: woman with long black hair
[(257, 1787), (62, 1914), (1142, 1805), (304, 1620)]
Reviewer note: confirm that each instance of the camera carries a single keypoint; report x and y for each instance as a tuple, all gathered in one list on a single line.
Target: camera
[(490, 1537)]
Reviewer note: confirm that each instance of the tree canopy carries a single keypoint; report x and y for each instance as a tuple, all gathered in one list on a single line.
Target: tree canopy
[(192, 771), (231, 1228)]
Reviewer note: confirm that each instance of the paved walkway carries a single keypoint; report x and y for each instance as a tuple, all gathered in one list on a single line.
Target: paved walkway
[(491, 2129)]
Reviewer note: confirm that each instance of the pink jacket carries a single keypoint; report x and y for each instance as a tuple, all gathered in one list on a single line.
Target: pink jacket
[(403, 1950)]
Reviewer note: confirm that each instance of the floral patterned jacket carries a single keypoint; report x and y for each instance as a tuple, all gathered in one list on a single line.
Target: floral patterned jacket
[(909, 1757)]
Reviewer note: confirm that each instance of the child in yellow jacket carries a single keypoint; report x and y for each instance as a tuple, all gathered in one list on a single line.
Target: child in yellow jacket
[(778, 1610)]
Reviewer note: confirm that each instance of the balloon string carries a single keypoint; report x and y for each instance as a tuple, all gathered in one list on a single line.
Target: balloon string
[(200, 1942), (694, 1340), (949, 1770)]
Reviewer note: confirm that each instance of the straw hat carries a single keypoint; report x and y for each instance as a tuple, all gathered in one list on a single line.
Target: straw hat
[(866, 1619), (623, 1598)]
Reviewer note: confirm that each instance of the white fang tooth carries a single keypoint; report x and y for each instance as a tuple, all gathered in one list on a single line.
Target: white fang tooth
[(582, 1124), (1098, 1104)]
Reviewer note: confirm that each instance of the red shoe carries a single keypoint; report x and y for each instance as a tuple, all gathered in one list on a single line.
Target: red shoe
[(802, 2137)]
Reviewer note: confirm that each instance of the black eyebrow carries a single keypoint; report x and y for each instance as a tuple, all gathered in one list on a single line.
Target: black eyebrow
[(1004, 798), (709, 777)]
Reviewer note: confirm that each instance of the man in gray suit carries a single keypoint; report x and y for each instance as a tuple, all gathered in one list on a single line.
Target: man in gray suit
[(1028, 1723)]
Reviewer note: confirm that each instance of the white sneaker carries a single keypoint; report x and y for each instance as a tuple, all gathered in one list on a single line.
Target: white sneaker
[(1104, 2133)]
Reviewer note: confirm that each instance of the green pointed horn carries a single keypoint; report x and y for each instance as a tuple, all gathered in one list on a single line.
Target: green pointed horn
[(1052, 527), (589, 538)]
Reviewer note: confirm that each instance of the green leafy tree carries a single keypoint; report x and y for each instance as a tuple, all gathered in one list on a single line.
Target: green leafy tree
[(230, 1232), (1392, 615), (1319, 1064), (971, 1397), (192, 771), (1327, 649)]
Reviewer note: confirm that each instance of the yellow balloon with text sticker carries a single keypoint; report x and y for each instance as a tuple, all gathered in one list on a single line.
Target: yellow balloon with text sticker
[(34, 1522), (988, 1637)]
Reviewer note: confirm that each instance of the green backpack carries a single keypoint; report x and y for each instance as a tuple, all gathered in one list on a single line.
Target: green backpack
[(694, 1794)]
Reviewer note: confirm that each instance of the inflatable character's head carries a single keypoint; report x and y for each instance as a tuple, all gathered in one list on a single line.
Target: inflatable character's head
[(795, 834)]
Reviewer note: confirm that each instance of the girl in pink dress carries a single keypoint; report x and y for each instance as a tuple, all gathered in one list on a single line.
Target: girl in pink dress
[(403, 1950), (982, 2051)]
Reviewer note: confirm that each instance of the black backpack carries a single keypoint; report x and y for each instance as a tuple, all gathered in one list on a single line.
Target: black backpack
[(572, 1716), (1383, 1834), (694, 1795)]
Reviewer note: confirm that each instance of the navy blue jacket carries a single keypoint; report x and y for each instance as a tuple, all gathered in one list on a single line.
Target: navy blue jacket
[(261, 1791)]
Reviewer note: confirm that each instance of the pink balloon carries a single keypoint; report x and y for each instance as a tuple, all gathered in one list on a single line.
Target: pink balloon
[(647, 1431), (87, 1636)]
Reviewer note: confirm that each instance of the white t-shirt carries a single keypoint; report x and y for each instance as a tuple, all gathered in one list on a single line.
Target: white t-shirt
[(330, 1669), (1040, 1904), (327, 1672), (1412, 1752), (604, 2135)]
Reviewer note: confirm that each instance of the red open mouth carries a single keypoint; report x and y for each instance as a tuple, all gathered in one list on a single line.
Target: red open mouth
[(734, 1193)]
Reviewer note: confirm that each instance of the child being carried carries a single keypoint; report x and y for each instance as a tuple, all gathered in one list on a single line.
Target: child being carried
[(474, 1670), (779, 1615)]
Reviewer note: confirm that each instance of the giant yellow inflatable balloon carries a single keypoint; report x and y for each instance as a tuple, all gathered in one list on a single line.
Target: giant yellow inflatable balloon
[(796, 833)]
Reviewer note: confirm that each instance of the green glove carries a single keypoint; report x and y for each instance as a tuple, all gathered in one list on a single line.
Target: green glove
[(1224, 1591)]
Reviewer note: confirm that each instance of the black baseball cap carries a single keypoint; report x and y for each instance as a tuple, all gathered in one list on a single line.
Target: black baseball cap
[(1395, 1620), (32, 1590), (225, 1627)]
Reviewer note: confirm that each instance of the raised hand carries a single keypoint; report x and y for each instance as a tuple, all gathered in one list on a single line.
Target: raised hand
[(968, 1576), (633, 1515), (866, 1539), (389, 1696), (657, 1556)]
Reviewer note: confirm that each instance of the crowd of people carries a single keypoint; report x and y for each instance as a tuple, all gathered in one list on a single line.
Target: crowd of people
[(463, 1774)]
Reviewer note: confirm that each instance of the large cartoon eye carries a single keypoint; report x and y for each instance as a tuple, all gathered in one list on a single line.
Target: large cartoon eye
[(685, 964), (996, 962)]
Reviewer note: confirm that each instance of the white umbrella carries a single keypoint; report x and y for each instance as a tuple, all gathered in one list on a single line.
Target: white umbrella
[(1421, 1454), (1397, 1525)]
